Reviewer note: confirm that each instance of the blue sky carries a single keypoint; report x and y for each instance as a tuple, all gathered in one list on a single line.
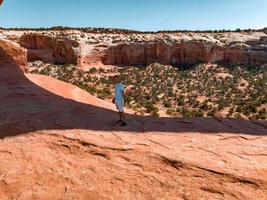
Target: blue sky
[(143, 15)]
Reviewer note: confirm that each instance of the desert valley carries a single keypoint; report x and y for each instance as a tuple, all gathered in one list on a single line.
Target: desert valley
[(195, 105), (186, 74)]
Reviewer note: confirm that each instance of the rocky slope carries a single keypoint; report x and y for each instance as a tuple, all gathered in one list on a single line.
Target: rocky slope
[(92, 49), (11, 52), (58, 142)]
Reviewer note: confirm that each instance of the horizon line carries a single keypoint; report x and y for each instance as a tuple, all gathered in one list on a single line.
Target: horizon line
[(59, 27)]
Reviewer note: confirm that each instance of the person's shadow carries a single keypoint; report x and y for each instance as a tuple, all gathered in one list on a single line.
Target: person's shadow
[(26, 107)]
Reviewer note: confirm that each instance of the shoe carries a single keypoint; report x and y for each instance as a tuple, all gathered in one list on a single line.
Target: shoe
[(119, 121), (123, 124)]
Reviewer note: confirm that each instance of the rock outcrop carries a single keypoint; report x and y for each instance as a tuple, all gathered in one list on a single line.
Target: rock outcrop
[(11, 52), (141, 50), (51, 49), (188, 53)]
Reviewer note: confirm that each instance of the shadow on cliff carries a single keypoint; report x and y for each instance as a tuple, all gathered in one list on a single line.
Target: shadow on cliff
[(26, 107)]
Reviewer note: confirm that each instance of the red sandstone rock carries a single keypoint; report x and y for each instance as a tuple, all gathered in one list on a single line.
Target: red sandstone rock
[(180, 54), (54, 49), (91, 56), (37, 41), (12, 52), (66, 51), (39, 47), (192, 52), (50, 49)]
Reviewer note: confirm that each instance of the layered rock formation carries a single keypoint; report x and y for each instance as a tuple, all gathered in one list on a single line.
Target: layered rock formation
[(58, 142), (50, 49), (181, 54), (176, 49)]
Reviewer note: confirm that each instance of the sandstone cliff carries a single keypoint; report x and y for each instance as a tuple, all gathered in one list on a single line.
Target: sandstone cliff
[(188, 53), (142, 49), (50, 49)]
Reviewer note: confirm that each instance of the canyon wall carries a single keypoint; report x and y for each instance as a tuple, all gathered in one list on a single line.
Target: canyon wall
[(50, 49), (181, 54), (84, 53)]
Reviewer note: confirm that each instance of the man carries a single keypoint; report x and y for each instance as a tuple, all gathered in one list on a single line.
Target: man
[(119, 100)]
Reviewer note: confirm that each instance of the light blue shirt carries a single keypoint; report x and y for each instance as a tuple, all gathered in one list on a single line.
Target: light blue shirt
[(118, 92)]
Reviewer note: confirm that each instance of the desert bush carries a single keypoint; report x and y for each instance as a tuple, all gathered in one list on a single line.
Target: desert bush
[(167, 103), (150, 108)]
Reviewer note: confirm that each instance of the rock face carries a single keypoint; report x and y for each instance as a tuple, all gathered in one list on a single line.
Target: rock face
[(50, 49), (59, 142), (160, 52), (12, 52), (165, 49), (92, 55), (180, 54)]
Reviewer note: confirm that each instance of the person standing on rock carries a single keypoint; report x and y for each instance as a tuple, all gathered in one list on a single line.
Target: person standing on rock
[(119, 100)]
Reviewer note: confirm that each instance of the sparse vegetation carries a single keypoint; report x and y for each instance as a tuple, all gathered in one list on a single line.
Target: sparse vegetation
[(201, 90)]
